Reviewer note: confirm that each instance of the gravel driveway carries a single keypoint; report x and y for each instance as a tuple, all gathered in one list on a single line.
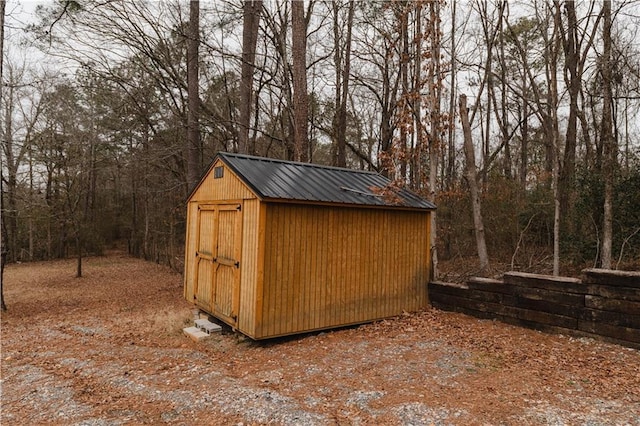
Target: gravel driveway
[(108, 349)]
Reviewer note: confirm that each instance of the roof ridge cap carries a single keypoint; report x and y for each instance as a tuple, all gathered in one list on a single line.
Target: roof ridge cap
[(297, 163)]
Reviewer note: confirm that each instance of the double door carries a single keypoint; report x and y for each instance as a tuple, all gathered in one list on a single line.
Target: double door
[(218, 253)]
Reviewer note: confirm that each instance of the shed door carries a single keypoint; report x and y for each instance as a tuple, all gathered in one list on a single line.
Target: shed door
[(218, 258), (203, 293)]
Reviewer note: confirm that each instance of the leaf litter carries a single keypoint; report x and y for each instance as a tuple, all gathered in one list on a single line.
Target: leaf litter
[(108, 349)]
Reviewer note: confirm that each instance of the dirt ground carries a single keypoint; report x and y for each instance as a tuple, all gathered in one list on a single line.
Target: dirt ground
[(108, 349)]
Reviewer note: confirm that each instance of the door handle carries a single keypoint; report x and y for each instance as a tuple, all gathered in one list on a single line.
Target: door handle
[(226, 261)]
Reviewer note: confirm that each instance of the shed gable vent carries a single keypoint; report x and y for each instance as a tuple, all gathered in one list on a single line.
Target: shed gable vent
[(218, 172)]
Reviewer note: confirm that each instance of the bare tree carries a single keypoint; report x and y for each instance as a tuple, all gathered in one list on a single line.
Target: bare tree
[(300, 95), (193, 94), (342, 61), (3, 235), (576, 47), (608, 142), (379, 79), (437, 125), (368, 75), (252, 9), (451, 146), (21, 108), (545, 99), (472, 181), (276, 75)]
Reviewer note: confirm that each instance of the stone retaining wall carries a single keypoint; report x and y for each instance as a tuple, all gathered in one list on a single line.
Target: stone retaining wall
[(603, 303)]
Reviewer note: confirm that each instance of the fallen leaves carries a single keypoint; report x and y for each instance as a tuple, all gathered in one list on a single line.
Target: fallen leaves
[(119, 353)]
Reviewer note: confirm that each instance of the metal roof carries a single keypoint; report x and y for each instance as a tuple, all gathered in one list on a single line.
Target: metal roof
[(287, 180)]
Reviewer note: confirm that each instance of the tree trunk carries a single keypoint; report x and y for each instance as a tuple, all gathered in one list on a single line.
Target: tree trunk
[(473, 185), (504, 122), (9, 212), (3, 233), (193, 88), (418, 155), (487, 125), (435, 117), (403, 112), (343, 69), (552, 134), (556, 212), (554, 143), (300, 97), (573, 81), (607, 138), (3, 236), (79, 249), (338, 142), (3, 261), (451, 150), (252, 10), (524, 143), (388, 103)]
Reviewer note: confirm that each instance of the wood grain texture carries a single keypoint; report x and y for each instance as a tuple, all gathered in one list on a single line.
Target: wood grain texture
[(301, 267), (222, 213), (247, 290), (229, 187), (327, 267)]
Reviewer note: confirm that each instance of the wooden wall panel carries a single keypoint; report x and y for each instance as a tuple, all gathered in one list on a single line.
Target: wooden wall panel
[(190, 250), (218, 191), (249, 268), (206, 237), (332, 266), (260, 270), (227, 251), (229, 187)]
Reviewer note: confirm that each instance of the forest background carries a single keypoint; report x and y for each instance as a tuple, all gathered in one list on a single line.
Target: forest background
[(520, 120)]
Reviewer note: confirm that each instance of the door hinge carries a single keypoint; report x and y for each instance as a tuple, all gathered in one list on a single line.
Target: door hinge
[(239, 208), (237, 264)]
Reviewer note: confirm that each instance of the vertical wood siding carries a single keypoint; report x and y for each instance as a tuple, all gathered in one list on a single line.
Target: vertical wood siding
[(203, 280), (305, 267), (260, 270), (227, 247), (249, 268), (213, 191), (190, 250), (229, 187), (332, 266)]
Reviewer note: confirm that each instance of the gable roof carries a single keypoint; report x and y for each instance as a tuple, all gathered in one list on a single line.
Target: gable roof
[(272, 179)]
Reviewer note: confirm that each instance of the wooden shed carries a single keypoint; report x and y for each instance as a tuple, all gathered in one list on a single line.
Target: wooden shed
[(276, 247)]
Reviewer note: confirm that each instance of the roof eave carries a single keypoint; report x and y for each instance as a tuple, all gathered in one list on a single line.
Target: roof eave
[(338, 204)]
